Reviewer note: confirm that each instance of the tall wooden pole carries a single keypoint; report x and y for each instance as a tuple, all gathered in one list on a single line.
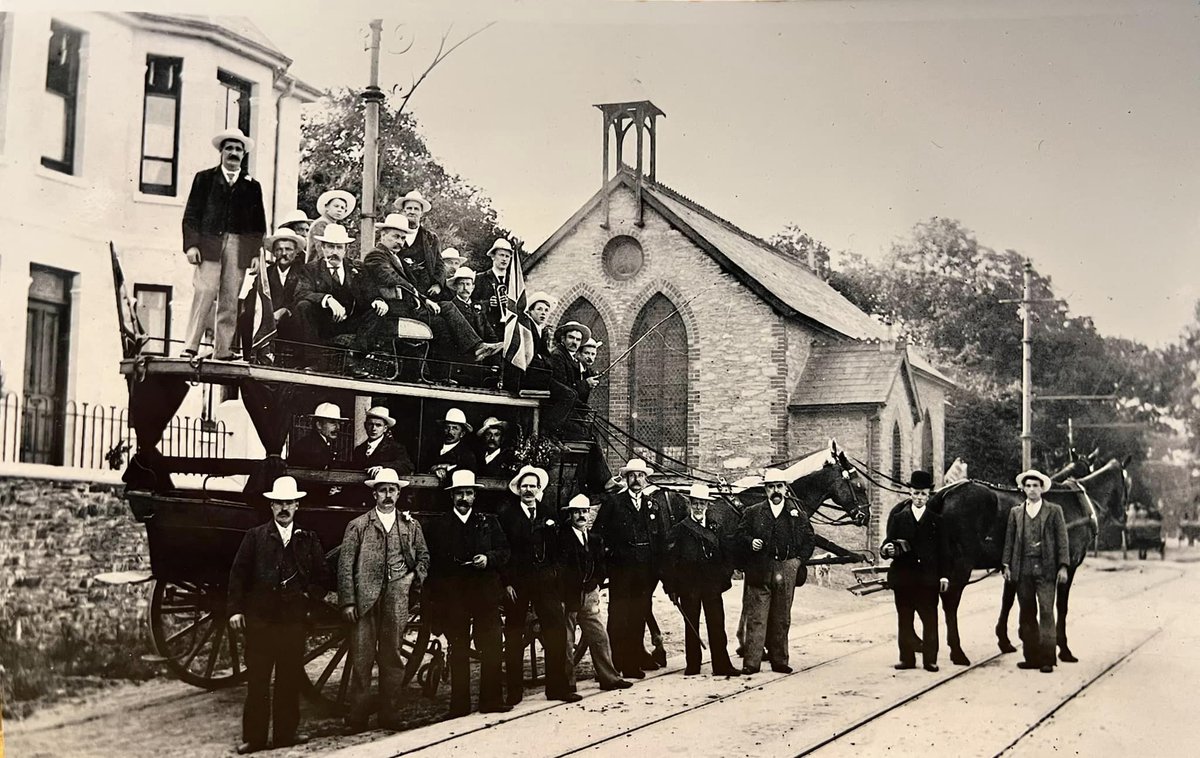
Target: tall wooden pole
[(371, 96), (1027, 367)]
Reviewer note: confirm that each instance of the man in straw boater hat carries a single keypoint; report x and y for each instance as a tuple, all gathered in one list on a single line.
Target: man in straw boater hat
[(634, 526), (298, 221), (491, 287), (317, 449), (450, 261), (383, 555), (464, 593), (698, 570), (278, 570), (380, 449), (566, 380), (917, 547), (496, 460), (420, 242), (581, 570), (337, 300), (774, 538), (455, 451), (463, 285), (1036, 557), (283, 277), (333, 207), (223, 228), (529, 579)]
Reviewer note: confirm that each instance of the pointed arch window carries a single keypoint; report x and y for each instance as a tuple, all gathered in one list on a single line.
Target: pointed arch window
[(659, 381), (927, 443), (585, 313), (897, 457)]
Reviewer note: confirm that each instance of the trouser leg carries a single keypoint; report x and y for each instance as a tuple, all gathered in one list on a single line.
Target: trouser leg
[(756, 606), (689, 604), (572, 622), (515, 613), (458, 636), (718, 643), (364, 637), (905, 633), (393, 622), (225, 325), (260, 661), (1046, 631), (592, 633), (206, 282), (927, 609), (621, 594), (289, 669), (783, 591), (487, 642), (1027, 624), (553, 623)]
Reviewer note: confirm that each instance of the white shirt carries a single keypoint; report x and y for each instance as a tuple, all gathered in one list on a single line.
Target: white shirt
[(448, 448), (776, 509), (285, 532), (1033, 509), (410, 237), (459, 516), (283, 273), (230, 177), (699, 521), (372, 444), (579, 533), (918, 512), (387, 519), (489, 457)]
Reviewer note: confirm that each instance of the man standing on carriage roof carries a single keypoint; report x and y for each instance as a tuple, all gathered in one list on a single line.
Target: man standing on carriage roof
[(223, 228), (530, 580), (634, 526), (278, 570), (1036, 556), (775, 538), (468, 550), (491, 286), (383, 555), (917, 547)]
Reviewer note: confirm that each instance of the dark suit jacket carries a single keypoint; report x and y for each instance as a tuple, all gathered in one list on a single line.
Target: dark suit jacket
[(425, 254), (255, 579), (473, 313), (1056, 552), (486, 287), (393, 282), (921, 558), (354, 293), (698, 558), (621, 526), (389, 453), (310, 451), (215, 209), (580, 569), (502, 466), (757, 523), (531, 544), (453, 587), (460, 456)]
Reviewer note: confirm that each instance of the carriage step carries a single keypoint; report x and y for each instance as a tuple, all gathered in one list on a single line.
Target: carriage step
[(152, 658), (868, 588), (123, 577)]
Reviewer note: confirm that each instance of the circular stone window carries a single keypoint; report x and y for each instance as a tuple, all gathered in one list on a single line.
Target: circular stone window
[(623, 257)]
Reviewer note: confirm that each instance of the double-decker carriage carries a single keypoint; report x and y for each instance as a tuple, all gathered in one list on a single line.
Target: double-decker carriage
[(194, 528)]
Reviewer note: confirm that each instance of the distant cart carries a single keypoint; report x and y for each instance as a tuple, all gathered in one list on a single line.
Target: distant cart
[(1189, 529), (1144, 533)]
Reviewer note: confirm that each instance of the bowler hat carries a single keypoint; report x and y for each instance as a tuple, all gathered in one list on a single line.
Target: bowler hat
[(920, 480)]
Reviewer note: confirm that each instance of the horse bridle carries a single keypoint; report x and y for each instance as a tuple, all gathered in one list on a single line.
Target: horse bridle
[(845, 471)]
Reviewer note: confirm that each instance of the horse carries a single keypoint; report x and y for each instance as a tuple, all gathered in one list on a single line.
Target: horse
[(974, 516)]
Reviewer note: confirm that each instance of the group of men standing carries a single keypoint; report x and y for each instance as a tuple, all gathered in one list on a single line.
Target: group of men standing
[(480, 575)]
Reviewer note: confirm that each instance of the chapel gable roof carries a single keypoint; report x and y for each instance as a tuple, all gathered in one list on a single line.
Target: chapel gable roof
[(854, 373)]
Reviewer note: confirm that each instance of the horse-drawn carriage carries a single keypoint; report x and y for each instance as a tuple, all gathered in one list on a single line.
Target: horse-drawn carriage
[(1144, 533)]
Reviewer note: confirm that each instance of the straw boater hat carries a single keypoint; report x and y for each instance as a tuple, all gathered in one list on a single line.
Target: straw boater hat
[(387, 476), (462, 478), (636, 464), (773, 475), (335, 234), (539, 297), (289, 235), (451, 254), (235, 134), (573, 326), (578, 503), (463, 272), (325, 197), (490, 422), (329, 412), (592, 343), (542, 477), (382, 414), (294, 217), (284, 488), (415, 196), (397, 221), (455, 416), (500, 244), (1034, 474), (700, 491)]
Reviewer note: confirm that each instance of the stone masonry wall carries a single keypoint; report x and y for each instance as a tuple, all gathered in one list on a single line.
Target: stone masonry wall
[(737, 377), (54, 538)]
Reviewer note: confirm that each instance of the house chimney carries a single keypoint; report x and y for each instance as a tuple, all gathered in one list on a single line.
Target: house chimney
[(888, 343), (618, 117)]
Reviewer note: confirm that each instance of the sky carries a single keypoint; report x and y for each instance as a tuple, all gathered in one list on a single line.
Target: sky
[(1068, 131)]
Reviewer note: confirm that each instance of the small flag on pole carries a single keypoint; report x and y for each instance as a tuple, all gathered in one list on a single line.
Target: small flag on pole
[(133, 336), (257, 322), (518, 329)]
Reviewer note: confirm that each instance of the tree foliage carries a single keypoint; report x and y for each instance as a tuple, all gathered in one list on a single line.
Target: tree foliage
[(331, 157)]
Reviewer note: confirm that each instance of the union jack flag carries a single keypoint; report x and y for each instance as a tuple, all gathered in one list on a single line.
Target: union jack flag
[(257, 322), (518, 330), (133, 336)]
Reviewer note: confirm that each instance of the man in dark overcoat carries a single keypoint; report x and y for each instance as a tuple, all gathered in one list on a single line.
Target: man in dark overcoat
[(383, 555), (316, 449), (495, 459), (697, 571), (223, 228), (491, 286), (455, 451), (380, 449), (421, 244), (464, 592), (278, 570), (916, 545), (634, 527), (283, 277), (1036, 556), (530, 580), (567, 381), (774, 540)]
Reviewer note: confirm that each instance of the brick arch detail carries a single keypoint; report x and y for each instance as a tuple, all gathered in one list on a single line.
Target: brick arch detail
[(594, 296), (638, 234), (677, 298)]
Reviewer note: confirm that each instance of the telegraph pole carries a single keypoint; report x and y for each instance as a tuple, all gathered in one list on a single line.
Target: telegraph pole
[(371, 96), (1027, 366)]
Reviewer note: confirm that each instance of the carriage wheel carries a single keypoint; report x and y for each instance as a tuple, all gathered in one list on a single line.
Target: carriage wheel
[(190, 629), (327, 656)]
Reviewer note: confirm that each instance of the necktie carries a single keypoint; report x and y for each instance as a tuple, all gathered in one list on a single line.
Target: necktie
[(637, 502), (336, 273), (530, 513)]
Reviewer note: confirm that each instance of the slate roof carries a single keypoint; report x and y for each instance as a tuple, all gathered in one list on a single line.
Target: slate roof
[(852, 373)]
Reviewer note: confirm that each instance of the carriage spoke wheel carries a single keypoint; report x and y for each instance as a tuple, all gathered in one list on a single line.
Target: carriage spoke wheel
[(190, 629), (327, 660)]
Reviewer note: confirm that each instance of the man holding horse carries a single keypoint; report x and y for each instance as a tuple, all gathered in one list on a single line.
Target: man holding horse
[(917, 546), (1036, 554)]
